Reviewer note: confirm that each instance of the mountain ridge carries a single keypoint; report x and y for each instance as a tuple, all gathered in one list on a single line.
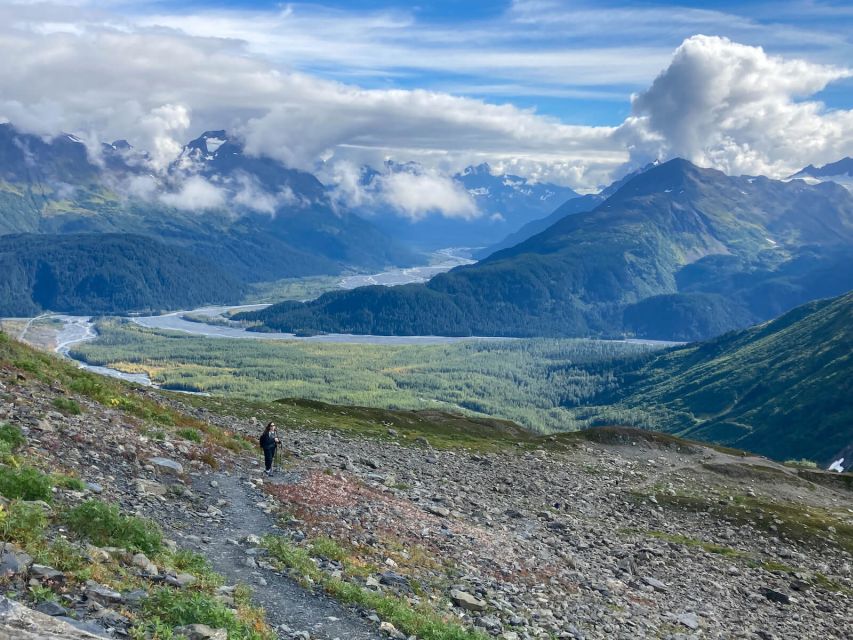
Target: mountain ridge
[(261, 220), (780, 388), (497, 205), (728, 252)]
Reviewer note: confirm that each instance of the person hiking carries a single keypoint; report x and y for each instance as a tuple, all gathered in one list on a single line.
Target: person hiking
[(269, 443)]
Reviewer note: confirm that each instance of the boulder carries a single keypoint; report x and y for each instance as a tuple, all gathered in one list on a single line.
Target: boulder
[(150, 487), (148, 568), (181, 580), (465, 600), (18, 622), (42, 572), (100, 592), (166, 466), (392, 631), (51, 608), (654, 583), (13, 561)]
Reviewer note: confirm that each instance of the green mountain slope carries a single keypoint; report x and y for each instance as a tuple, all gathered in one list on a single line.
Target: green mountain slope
[(273, 222), (104, 273), (782, 388), (678, 252)]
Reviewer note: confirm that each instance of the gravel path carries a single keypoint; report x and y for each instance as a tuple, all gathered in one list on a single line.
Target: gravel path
[(290, 608)]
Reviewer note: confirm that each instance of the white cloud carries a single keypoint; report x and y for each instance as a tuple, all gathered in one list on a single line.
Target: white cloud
[(195, 194), (734, 107), (157, 80), (166, 128), (249, 194), (411, 191), (143, 187), (417, 195)]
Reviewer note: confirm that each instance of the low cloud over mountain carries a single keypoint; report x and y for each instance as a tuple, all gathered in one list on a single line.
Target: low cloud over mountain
[(155, 78)]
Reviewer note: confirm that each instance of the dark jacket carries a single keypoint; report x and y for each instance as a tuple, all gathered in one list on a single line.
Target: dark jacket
[(268, 441)]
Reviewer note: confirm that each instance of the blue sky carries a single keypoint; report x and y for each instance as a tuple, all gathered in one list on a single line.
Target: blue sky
[(571, 91), (571, 38)]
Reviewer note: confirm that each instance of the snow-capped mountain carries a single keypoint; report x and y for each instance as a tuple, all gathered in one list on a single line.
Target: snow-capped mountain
[(254, 216), (512, 197), (221, 159), (475, 207), (840, 172)]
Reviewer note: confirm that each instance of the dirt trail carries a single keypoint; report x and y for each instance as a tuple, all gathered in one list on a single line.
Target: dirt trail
[(285, 601)]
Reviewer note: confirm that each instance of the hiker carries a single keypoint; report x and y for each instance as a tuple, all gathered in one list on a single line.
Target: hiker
[(269, 443)]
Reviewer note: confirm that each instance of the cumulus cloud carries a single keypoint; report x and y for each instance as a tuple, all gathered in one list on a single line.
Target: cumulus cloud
[(417, 195), (731, 106), (248, 193), (195, 194), (156, 81), (411, 191), (154, 86), (165, 128)]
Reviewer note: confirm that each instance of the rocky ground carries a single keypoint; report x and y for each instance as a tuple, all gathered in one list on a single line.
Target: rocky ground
[(624, 535)]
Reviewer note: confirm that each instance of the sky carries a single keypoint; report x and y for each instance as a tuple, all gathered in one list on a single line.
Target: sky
[(572, 92)]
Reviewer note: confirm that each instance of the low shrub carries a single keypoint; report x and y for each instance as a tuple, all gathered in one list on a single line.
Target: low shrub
[(11, 436), (104, 525), (177, 608), (420, 621), (67, 406), (329, 549), (65, 481), (22, 522), (190, 434), (25, 483), (802, 463), (62, 555)]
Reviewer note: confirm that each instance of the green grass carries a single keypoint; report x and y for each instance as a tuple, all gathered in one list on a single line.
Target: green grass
[(67, 406), (65, 481), (694, 542), (329, 549), (11, 437), (420, 621), (193, 435), (104, 525), (25, 483), (41, 594), (62, 555), (801, 464), (22, 523), (795, 521), (175, 607)]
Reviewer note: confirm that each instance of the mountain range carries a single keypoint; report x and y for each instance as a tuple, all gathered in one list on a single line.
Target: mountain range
[(577, 204), (493, 205), (840, 172), (677, 252), (248, 216)]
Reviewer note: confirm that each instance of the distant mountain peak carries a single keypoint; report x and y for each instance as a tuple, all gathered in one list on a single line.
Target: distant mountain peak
[(843, 167), (208, 142), (840, 172), (478, 170)]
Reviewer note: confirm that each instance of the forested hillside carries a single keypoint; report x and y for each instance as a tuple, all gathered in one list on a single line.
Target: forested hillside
[(254, 217), (782, 388), (678, 252), (104, 273)]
